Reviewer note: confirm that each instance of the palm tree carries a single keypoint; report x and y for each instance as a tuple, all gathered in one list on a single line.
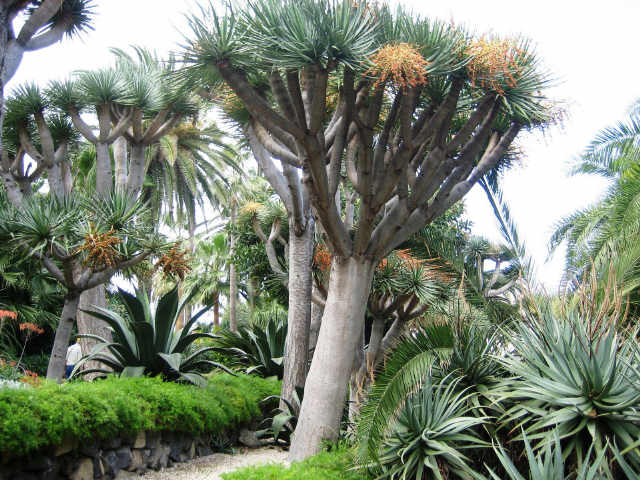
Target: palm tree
[(604, 235), (207, 281), (188, 169)]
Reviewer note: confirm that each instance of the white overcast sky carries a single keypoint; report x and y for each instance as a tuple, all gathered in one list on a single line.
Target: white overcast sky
[(590, 46)]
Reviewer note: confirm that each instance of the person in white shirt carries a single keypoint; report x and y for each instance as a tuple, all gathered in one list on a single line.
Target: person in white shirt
[(74, 354)]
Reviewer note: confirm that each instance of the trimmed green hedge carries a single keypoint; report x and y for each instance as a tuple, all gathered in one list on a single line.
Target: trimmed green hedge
[(36, 418), (333, 465)]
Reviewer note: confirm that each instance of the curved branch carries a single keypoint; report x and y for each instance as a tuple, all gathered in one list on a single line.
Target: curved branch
[(38, 19)]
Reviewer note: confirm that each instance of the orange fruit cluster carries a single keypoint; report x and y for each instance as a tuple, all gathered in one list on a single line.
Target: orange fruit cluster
[(100, 248), (322, 258), (174, 263), (494, 63), (400, 63)]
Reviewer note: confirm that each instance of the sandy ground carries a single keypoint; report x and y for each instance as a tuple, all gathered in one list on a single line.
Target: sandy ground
[(212, 466)]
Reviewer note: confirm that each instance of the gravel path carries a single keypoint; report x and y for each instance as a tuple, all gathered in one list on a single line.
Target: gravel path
[(212, 466)]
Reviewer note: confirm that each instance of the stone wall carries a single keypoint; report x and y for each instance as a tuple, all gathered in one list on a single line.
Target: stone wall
[(113, 459)]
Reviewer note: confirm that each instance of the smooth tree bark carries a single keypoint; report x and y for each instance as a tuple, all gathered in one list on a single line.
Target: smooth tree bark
[(342, 325), (317, 311), (216, 309), (106, 135), (141, 133)]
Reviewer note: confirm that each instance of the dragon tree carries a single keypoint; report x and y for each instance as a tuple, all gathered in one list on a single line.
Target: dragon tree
[(408, 113)]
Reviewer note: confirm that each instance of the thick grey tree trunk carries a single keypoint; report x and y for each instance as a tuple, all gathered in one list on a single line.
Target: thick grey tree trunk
[(58, 358), (89, 300), (104, 175), (138, 169), (326, 386), (120, 160), (299, 315)]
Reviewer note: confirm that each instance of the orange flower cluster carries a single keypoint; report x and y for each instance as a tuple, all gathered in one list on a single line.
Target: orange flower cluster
[(31, 378), (8, 314), (401, 63), (31, 327), (322, 258), (100, 248), (493, 63), (174, 263)]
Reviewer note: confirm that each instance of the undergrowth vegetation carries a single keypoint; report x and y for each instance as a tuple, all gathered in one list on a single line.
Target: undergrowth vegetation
[(335, 464), (37, 418)]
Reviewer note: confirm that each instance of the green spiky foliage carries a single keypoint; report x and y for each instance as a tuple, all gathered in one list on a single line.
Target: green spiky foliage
[(31, 292), (146, 342), (430, 435), (547, 464), (267, 52), (459, 350), (410, 140), (603, 234), (280, 424), (258, 347), (258, 207), (54, 228), (574, 376)]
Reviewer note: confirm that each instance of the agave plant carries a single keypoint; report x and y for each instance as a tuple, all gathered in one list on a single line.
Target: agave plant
[(577, 379), (435, 425), (281, 425), (461, 354), (147, 343), (547, 465), (259, 347)]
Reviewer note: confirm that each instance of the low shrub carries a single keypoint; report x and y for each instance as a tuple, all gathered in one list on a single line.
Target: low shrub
[(333, 465), (37, 418)]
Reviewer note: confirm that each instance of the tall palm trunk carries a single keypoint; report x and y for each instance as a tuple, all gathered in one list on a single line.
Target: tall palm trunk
[(233, 277), (340, 332), (216, 310), (299, 314), (57, 361)]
